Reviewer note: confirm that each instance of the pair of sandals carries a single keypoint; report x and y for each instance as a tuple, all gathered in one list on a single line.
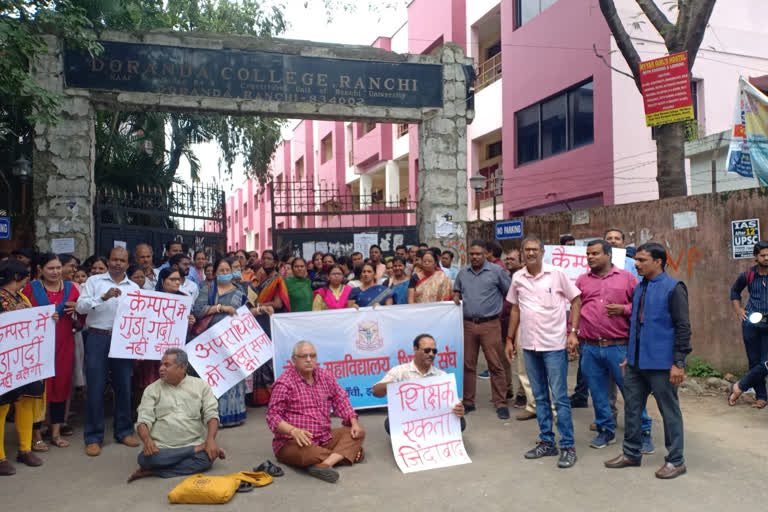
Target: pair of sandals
[(758, 404), (266, 467)]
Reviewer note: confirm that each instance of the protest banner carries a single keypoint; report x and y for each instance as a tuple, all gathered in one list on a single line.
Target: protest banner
[(748, 149), (148, 323), (359, 347), (229, 351), (425, 433), (27, 346), (666, 89), (572, 259)]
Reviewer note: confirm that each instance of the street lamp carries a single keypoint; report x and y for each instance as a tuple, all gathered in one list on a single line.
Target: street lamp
[(477, 182), (23, 171)]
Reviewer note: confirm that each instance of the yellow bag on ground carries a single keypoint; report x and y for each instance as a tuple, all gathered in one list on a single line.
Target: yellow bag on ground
[(210, 489)]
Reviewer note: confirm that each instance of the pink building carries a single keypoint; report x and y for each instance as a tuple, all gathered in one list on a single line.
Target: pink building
[(559, 130)]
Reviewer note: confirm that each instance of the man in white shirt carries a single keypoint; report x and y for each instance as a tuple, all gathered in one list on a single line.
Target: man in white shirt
[(424, 353), (143, 258), (98, 299), (181, 262)]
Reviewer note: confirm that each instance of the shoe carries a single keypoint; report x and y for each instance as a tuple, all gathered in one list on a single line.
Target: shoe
[(520, 402), (525, 415), (567, 458), (578, 402), (93, 450), (541, 450), (646, 447), (502, 413), (29, 458), (484, 375), (621, 461), (131, 441), (593, 427), (324, 473), (469, 408), (668, 471), (270, 469), (603, 439), (6, 468)]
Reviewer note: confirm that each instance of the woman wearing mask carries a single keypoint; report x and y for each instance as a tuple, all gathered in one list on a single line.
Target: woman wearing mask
[(431, 284), (299, 286), (398, 281), (321, 278), (369, 293), (52, 289), (335, 295), (218, 301)]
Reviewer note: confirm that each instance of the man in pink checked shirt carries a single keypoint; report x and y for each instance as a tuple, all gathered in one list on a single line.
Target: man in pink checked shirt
[(299, 414)]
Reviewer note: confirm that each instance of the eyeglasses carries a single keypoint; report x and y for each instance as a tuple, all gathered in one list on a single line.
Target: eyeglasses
[(305, 356), (429, 350)]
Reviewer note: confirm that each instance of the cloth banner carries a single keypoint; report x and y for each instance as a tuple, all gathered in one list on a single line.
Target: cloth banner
[(425, 433), (359, 347), (148, 323), (748, 150), (229, 351), (27, 346), (572, 259)]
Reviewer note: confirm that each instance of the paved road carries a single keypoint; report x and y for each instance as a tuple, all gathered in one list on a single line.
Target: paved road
[(727, 471)]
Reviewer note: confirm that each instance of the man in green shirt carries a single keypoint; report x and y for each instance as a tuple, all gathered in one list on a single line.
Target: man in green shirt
[(178, 421)]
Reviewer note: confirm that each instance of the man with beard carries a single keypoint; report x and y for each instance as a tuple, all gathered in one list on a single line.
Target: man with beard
[(181, 262)]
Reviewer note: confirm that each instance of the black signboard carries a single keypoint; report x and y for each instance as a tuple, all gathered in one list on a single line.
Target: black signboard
[(254, 75)]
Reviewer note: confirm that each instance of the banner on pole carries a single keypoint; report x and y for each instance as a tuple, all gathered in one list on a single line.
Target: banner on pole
[(425, 432), (27, 346), (148, 323), (359, 347), (748, 150), (229, 351)]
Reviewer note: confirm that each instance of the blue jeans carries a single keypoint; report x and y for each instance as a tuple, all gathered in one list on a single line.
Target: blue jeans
[(98, 367), (597, 364), (548, 372), (581, 392), (756, 344), (171, 462)]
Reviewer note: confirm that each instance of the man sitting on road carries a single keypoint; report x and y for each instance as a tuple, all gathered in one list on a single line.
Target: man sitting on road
[(424, 353), (299, 414), (173, 415)]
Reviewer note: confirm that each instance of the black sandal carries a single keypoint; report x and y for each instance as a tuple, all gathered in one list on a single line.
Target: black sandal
[(245, 487), (270, 469)]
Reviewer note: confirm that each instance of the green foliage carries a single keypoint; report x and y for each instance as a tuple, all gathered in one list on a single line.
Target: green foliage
[(698, 367)]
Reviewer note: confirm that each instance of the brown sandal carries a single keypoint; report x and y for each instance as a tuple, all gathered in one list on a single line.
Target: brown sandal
[(40, 446), (759, 404), (58, 442)]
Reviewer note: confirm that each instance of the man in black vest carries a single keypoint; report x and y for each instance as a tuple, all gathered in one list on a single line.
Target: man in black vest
[(659, 341)]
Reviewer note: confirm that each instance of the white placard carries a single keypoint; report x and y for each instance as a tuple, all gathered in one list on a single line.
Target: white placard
[(229, 351), (364, 241), (148, 323), (684, 220), (572, 259), (27, 346), (63, 245), (425, 432), (307, 250), (120, 244)]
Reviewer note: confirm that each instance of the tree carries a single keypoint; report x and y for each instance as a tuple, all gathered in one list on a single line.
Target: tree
[(685, 35)]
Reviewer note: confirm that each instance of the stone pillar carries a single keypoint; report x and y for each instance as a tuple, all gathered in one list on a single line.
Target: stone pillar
[(392, 182), (365, 191), (62, 163), (443, 161)]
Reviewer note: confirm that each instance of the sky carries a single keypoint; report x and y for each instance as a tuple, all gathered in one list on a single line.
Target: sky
[(307, 19)]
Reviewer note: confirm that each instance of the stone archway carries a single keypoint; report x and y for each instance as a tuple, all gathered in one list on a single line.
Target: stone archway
[(240, 75)]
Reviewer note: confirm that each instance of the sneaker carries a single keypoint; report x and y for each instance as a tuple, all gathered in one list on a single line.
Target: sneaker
[(484, 375), (567, 458), (646, 446), (541, 450), (579, 403), (603, 439), (502, 413)]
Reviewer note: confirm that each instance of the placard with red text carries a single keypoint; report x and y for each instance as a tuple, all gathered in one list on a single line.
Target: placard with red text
[(572, 259), (425, 433), (27, 346), (148, 323)]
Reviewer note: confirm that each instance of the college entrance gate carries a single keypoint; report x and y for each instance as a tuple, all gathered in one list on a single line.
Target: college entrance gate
[(239, 75)]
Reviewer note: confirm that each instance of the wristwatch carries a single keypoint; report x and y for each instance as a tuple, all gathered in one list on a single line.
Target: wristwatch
[(573, 329), (680, 364)]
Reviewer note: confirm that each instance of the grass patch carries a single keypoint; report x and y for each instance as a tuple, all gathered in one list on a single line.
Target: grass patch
[(698, 367)]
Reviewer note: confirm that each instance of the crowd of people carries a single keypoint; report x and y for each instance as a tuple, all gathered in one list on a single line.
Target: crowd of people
[(629, 328)]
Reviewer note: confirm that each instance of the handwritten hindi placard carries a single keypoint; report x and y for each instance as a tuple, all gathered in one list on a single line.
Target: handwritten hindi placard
[(425, 432), (27, 346), (148, 323), (229, 351), (572, 259)]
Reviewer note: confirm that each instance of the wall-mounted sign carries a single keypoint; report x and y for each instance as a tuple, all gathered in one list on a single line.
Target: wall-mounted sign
[(745, 234), (509, 229)]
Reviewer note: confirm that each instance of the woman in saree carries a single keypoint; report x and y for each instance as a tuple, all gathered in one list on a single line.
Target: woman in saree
[(398, 281), (369, 293), (53, 289), (299, 286), (219, 300), (335, 295), (431, 284)]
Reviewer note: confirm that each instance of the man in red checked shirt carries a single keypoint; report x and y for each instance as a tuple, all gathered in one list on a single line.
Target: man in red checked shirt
[(299, 414)]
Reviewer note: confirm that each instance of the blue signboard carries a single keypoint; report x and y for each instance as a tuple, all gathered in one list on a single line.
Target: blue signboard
[(5, 228), (509, 229)]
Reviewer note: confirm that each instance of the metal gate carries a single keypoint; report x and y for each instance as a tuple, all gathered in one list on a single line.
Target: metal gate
[(193, 215)]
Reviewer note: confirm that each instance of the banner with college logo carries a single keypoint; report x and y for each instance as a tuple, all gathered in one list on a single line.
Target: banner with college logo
[(359, 347)]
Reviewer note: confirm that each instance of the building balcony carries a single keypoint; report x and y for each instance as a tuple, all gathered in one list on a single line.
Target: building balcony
[(488, 72)]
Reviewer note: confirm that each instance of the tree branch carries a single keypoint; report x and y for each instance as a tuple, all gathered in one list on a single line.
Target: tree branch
[(605, 61), (623, 41), (700, 12), (657, 19)]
